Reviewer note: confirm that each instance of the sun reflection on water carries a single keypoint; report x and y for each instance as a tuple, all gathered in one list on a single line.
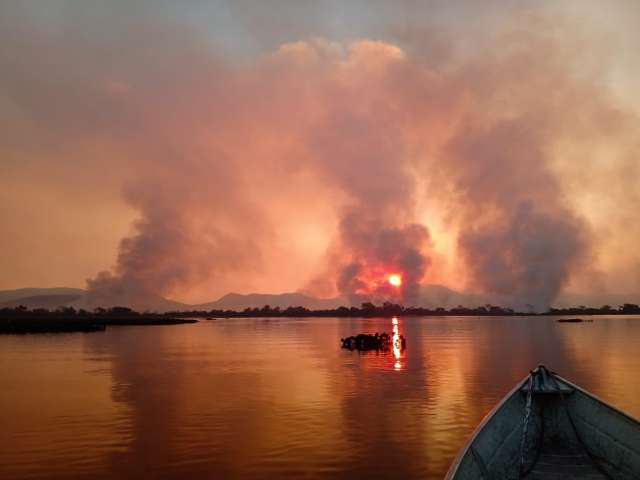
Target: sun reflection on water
[(396, 344)]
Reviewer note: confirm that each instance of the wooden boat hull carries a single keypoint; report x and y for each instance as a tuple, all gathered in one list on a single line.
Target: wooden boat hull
[(569, 433)]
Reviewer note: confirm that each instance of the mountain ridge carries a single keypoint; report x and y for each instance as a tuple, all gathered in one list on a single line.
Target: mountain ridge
[(13, 294), (431, 296)]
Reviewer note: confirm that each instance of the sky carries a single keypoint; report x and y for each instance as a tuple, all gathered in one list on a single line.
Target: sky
[(189, 149)]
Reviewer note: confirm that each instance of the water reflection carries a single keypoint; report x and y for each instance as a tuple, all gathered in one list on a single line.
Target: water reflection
[(269, 398), (396, 344)]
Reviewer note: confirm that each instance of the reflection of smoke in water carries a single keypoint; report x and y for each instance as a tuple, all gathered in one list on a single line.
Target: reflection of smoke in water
[(396, 344)]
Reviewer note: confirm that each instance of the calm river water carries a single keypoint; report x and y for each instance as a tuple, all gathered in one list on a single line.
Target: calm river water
[(278, 398)]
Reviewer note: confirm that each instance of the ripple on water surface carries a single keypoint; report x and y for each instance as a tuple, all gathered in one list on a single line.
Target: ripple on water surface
[(266, 398)]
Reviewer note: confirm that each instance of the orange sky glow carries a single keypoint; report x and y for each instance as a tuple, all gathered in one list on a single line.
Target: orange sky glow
[(504, 163)]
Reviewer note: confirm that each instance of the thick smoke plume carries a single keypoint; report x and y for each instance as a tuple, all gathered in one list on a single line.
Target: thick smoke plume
[(373, 251), (238, 169)]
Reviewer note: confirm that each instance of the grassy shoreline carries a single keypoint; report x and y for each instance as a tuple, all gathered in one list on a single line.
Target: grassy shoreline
[(84, 323)]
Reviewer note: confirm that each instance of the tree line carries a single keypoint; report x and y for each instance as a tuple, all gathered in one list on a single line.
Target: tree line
[(366, 309)]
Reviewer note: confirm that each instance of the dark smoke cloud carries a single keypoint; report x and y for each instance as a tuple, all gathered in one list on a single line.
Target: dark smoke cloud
[(373, 251), (526, 256), (519, 238)]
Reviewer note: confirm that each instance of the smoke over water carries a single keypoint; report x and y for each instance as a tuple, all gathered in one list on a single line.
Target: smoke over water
[(520, 241), (319, 164), (366, 119)]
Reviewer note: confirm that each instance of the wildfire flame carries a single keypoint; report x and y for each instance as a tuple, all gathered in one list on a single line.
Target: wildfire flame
[(395, 280), (379, 284)]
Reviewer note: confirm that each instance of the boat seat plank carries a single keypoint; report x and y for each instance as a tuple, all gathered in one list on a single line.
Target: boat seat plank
[(561, 461)]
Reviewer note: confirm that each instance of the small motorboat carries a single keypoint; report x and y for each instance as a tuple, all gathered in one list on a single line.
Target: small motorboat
[(549, 428)]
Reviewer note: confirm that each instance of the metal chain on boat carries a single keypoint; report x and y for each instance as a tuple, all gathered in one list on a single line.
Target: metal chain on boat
[(525, 424)]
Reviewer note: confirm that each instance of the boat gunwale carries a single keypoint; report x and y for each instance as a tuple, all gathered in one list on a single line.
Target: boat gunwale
[(453, 469), (596, 398)]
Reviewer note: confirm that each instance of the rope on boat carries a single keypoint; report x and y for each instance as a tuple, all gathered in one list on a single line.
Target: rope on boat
[(525, 424)]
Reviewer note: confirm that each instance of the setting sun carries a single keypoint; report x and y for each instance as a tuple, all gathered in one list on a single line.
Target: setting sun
[(395, 280)]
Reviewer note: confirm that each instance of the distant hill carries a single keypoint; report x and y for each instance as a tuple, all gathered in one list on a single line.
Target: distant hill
[(52, 298), (430, 296), (140, 303), (10, 295), (153, 303), (238, 301), (569, 299), (433, 296), (43, 301)]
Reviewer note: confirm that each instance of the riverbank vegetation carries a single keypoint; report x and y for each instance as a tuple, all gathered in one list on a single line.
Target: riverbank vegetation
[(67, 319), (391, 310)]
